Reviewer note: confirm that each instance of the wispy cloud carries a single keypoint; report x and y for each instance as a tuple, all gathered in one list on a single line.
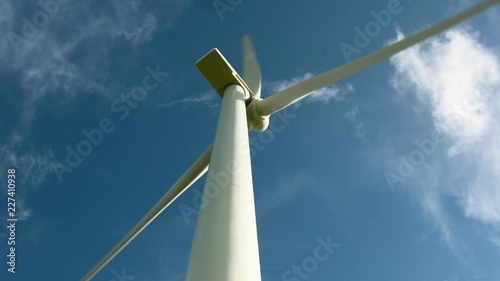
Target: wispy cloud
[(22, 212), (209, 98), (458, 78), (325, 95), (359, 126), (495, 240), (33, 166), (60, 61), (69, 56), (352, 114), (32, 169), (433, 207)]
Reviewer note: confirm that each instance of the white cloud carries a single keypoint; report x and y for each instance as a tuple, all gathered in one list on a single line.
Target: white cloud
[(458, 77), (324, 95)]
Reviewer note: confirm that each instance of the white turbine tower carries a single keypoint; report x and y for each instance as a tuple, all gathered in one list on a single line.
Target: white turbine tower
[(225, 246)]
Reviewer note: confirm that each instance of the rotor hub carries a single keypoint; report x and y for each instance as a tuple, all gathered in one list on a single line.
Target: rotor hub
[(255, 121)]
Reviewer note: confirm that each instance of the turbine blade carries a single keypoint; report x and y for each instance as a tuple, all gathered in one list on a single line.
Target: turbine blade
[(198, 169), (251, 68), (300, 90)]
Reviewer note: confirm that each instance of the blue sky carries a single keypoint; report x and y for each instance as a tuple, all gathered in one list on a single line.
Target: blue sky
[(398, 165)]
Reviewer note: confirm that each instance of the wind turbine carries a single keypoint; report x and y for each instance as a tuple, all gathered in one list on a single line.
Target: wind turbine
[(225, 246)]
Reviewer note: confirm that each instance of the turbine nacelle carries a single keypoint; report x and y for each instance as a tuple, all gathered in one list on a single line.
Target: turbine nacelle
[(220, 74)]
